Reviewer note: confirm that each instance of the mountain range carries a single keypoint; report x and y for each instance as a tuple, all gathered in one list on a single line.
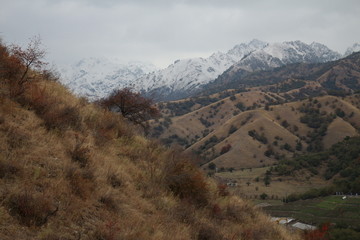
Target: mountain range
[(95, 78)]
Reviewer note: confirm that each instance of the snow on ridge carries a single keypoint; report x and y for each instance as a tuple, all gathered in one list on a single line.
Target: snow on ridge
[(354, 48), (190, 74), (97, 77), (279, 54)]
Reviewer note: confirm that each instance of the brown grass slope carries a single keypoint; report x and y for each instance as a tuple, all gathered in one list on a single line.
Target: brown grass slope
[(194, 125), (69, 170), (280, 125)]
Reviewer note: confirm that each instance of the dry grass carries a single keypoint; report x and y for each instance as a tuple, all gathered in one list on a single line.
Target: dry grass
[(69, 170), (246, 151), (280, 187)]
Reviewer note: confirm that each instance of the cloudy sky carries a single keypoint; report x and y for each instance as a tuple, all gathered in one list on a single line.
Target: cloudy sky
[(161, 31)]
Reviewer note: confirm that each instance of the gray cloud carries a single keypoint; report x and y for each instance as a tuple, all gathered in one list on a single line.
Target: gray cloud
[(161, 31)]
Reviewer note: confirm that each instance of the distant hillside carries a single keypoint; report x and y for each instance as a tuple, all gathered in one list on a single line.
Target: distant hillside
[(71, 170), (255, 128)]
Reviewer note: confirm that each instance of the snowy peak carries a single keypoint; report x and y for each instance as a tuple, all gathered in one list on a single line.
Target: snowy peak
[(95, 78), (354, 48), (279, 54), (186, 76), (244, 49)]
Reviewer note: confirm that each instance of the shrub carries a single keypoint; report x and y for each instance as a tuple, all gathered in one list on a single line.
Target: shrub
[(8, 168), (30, 209), (114, 180), (54, 113), (285, 124), (212, 166), (264, 196), (240, 106), (108, 126), (81, 182), (62, 118), (109, 202), (107, 231), (186, 181), (232, 129), (81, 155), (222, 190), (318, 234), (208, 232), (10, 66), (225, 149)]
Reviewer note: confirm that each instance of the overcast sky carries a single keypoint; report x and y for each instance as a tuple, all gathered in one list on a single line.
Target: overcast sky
[(161, 31)]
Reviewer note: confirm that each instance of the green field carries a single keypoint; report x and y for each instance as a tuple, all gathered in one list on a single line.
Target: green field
[(331, 209)]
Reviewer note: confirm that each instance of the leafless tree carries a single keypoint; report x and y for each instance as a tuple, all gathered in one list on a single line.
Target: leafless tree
[(31, 57)]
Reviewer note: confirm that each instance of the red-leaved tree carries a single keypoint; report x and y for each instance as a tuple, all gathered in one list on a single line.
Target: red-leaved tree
[(131, 105)]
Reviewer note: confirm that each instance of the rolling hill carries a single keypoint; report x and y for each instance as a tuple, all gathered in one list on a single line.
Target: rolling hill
[(251, 126)]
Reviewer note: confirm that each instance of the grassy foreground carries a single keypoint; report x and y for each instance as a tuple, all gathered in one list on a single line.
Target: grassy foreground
[(70, 170)]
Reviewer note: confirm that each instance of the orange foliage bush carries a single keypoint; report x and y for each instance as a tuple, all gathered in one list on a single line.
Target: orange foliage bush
[(318, 234)]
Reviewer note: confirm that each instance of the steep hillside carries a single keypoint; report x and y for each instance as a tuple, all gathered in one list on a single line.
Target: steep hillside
[(70, 170)]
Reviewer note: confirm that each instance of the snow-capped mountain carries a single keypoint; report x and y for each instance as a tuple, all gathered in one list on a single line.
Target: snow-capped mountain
[(96, 78), (184, 77), (279, 54), (353, 48)]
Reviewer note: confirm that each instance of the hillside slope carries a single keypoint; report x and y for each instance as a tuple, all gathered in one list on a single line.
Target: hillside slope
[(70, 170), (244, 131)]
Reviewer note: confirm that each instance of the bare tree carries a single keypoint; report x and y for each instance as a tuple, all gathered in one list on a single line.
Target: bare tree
[(31, 57)]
